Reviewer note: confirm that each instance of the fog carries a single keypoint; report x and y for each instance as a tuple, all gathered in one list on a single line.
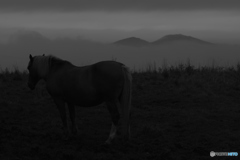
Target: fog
[(80, 52)]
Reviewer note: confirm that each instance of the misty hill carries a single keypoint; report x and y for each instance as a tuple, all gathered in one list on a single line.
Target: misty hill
[(28, 37), (168, 39), (80, 51), (132, 41), (179, 38)]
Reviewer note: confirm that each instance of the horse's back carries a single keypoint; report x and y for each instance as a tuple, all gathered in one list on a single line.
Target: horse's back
[(111, 69), (108, 77)]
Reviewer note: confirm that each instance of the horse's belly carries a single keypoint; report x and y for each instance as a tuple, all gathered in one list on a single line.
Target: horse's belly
[(84, 103), (84, 100)]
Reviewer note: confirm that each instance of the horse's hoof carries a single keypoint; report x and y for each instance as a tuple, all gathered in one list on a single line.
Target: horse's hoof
[(108, 142), (112, 141)]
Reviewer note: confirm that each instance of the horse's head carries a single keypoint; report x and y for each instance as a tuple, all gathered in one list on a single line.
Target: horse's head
[(33, 68)]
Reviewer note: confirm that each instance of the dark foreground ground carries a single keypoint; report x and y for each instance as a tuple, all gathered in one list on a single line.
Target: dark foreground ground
[(178, 113)]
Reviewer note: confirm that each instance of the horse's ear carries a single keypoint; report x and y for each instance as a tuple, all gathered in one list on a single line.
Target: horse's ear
[(30, 56), (43, 55)]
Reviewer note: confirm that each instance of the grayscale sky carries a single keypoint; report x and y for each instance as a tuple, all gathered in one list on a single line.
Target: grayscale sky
[(110, 20), (33, 26)]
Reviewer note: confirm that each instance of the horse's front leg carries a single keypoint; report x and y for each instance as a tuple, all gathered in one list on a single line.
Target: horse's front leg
[(61, 107), (71, 109)]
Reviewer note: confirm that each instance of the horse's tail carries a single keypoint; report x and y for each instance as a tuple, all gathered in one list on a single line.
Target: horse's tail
[(125, 101)]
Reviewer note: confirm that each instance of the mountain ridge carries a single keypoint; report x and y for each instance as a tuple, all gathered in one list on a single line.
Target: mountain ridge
[(132, 41), (167, 39), (179, 37)]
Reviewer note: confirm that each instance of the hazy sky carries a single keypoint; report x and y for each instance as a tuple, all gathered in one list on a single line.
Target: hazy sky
[(217, 21), (110, 20), (117, 5)]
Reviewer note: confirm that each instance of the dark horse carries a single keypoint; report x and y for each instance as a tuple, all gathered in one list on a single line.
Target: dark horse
[(106, 81)]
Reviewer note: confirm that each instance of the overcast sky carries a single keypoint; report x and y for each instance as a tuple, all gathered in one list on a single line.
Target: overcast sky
[(217, 21), (118, 5), (212, 20)]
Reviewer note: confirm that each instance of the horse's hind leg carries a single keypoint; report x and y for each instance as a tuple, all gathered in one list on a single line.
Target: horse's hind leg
[(61, 107), (113, 109), (71, 109)]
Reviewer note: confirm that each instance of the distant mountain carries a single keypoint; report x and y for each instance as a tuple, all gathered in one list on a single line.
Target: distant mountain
[(168, 39), (28, 37), (132, 41), (176, 38)]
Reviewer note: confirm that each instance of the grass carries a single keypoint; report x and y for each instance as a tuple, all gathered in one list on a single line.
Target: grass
[(179, 112)]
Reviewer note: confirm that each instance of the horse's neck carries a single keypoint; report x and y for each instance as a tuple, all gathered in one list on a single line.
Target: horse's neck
[(43, 70)]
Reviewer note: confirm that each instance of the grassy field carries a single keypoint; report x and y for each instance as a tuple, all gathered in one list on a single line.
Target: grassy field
[(178, 113)]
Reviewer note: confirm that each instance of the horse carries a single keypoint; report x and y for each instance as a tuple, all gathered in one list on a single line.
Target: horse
[(108, 82)]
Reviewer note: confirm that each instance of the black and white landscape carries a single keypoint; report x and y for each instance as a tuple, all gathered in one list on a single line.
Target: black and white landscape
[(184, 57)]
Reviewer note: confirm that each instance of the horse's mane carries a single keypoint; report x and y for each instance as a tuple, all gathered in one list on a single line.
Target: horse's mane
[(42, 64), (55, 61)]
